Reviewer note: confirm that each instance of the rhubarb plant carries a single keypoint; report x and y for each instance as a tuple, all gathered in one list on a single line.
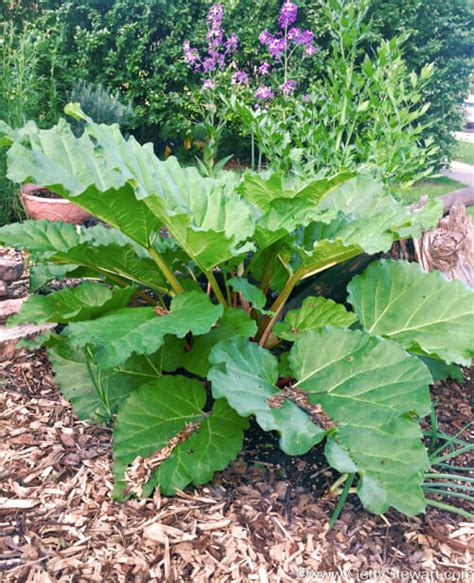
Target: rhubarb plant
[(179, 332)]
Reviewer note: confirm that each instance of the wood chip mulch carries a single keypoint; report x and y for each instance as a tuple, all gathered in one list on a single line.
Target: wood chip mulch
[(58, 521)]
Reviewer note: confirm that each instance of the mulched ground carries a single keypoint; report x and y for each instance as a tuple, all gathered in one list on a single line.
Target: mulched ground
[(258, 521)]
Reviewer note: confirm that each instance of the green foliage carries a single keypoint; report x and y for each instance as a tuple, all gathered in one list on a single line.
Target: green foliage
[(134, 47), (246, 374), (27, 91), (316, 312), (158, 412), (99, 104), (373, 391), (94, 392), (441, 33), (380, 297), (85, 302), (207, 303), (362, 107)]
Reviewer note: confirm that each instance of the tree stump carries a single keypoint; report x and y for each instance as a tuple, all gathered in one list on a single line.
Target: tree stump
[(450, 247)]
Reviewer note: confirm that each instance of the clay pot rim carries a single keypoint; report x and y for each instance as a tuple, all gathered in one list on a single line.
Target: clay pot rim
[(46, 200)]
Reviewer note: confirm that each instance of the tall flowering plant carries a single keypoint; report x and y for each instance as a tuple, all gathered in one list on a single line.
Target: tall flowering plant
[(270, 88), (215, 68), (277, 86), (284, 49)]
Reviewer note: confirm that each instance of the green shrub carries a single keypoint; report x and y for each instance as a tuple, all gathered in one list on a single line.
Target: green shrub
[(135, 47), (99, 104), (27, 91), (440, 33), (363, 107)]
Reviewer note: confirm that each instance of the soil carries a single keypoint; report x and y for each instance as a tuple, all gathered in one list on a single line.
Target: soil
[(263, 519)]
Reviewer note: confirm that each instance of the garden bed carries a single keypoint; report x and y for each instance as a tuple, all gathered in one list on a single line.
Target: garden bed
[(254, 522)]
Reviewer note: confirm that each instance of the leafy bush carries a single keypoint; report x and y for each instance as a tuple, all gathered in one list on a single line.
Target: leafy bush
[(363, 108), (135, 47), (440, 33), (165, 322), (27, 91), (98, 103)]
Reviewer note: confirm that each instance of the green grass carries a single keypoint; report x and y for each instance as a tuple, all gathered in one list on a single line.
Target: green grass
[(465, 152), (434, 187), (7, 193)]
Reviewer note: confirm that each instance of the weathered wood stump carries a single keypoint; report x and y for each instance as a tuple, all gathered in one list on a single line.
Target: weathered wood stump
[(450, 247)]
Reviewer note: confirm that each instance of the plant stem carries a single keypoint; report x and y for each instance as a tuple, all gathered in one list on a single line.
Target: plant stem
[(341, 480), (454, 453), (450, 476), (252, 153), (449, 494), (215, 288), (450, 508), (170, 276), (227, 289), (434, 430), (342, 500), (268, 322), (96, 382)]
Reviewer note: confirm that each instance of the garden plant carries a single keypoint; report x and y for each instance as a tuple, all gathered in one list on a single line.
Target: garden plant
[(362, 107), (179, 333)]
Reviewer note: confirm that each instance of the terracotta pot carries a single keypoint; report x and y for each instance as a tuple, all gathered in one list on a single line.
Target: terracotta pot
[(51, 209)]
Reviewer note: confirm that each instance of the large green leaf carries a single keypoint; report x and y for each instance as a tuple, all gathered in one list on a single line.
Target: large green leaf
[(288, 204), (95, 394), (126, 185), (207, 217), (325, 254), (245, 374), (371, 388), (40, 237), (158, 412), (235, 322), (100, 250), (43, 272), (85, 302), (421, 311), (263, 192), (367, 219), (128, 331), (217, 442), (367, 200), (316, 312), (98, 171)]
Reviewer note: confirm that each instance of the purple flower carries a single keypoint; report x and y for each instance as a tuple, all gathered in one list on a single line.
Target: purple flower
[(288, 15), (265, 37), (294, 34), (214, 37), (305, 38), (276, 47), (232, 43), (209, 64), (310, 51), (263, 93), (215, 15), (191, 55), (289, 87), (240, 78), (264, 69), (208, 84)]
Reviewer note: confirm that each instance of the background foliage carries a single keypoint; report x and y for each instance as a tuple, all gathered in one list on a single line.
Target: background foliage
[(135, 47)]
